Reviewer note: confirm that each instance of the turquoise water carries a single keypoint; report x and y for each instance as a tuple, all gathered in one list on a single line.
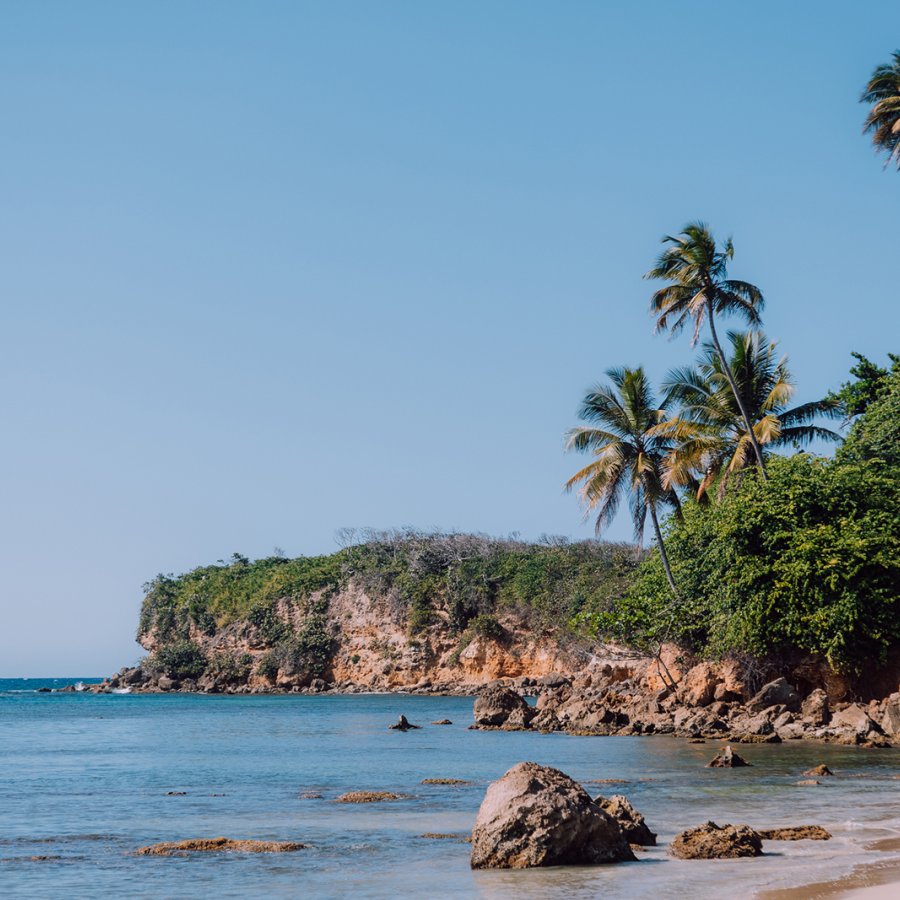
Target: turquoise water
[(85, 781)]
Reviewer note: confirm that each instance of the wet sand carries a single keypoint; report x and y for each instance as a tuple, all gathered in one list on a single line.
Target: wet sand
[(878, 880)]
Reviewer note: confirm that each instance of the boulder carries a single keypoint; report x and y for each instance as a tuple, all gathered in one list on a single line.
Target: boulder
[(855, 720), (546, 720), (698, 687), (710, 841), (814, 709), (442, 722), (630, 820), (775, 693), (727, 759), (519, 719), (890, 716), (537, 816), (164, 683), (495, 703)]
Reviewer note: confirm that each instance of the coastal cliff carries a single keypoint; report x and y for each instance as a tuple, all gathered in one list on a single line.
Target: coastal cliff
[(396, 612)]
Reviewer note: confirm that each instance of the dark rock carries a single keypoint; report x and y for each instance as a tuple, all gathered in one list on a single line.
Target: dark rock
[(727, 759), (537, 816), (710, 841), (403, 724), (818, 771), (442, 722)]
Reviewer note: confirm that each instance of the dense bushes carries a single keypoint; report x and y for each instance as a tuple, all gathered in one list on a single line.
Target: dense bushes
[(461, 578), (179, 659), (808, 562)]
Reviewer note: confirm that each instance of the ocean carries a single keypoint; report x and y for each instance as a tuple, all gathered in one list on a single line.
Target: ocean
[(86, 780)]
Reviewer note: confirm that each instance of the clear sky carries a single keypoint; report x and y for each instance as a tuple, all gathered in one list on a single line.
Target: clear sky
[(270, 269)]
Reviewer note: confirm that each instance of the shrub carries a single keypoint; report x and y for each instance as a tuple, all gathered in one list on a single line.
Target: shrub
[(180, 659), (808, 562)]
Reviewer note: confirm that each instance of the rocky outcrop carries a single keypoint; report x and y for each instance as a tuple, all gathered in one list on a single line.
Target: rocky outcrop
[(537, 816), (630, 820), (497, 706), (218, 845), (618, 700), (796, 833), (727, 759), (710, 841)]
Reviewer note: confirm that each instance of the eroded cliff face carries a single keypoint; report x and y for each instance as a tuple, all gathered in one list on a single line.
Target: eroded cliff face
[(371, 647)]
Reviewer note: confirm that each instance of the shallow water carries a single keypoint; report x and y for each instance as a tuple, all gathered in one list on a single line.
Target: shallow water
[(85, 781)]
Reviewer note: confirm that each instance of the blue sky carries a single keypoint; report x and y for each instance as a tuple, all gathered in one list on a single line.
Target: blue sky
[(273, 269)]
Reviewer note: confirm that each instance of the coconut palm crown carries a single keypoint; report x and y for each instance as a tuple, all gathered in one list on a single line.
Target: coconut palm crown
[(712, 440), (883, 120), (622, 435), (699, 290)]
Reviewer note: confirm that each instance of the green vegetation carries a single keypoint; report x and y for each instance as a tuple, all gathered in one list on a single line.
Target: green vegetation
[(809, 562), (462, 582), (883, 120), (629, 450), (708, 433)]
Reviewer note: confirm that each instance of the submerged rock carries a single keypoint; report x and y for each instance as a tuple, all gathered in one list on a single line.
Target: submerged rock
[(537, 816), (442, 722), (819, 770), (218, 845), (796, 833), (367, 797), (727, 759), (710, 841), (630, 820), (445, 781)]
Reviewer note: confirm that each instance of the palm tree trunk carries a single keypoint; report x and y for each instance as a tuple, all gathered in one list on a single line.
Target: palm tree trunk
[(734, 390), (662, 550)]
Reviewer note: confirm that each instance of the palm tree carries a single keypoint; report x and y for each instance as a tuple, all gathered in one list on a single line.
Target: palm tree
[(883, 120), (711, 436), (699, 290), (628, 454)]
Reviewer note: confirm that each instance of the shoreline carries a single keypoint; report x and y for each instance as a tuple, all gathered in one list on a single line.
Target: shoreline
[(875, 880)]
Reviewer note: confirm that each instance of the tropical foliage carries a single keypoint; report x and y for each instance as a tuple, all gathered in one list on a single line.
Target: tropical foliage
[(808, 562), (883, 120), (698, 290), (709, 436), (628, 449)]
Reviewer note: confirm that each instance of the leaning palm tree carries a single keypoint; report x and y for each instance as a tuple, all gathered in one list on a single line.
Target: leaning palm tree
[(883, 120), (699, 289), (628, 454), (711, 438)]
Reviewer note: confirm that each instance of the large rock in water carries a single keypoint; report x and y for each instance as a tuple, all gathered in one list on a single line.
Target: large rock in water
[(537, 816), (630, 820), (709, 841), (495, 704)]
